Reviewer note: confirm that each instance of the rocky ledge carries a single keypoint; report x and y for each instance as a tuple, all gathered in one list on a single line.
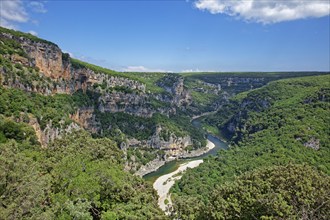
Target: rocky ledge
[(154, 165)]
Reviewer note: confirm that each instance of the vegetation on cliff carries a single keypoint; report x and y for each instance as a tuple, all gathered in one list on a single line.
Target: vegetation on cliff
[(284, 122), (211, 90), (26, 35)]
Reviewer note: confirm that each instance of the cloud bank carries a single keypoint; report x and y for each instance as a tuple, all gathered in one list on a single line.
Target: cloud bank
[(13, 12), (142, 69), (37, 6), (267, 11)]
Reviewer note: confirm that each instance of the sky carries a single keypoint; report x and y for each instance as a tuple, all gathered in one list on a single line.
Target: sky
[(182, 35)]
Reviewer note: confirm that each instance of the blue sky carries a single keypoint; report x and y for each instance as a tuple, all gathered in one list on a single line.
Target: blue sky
[(203, 35)]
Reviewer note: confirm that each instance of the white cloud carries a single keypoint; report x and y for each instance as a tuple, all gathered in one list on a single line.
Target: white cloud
[(197, 70), (6, 24), (267, 11), (33, 33), (191, 70), (11, 12), (142, 69), (37, 6)]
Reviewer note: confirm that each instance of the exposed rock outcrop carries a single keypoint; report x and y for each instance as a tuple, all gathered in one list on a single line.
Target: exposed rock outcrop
[(177, 95), (41, 67), (57, 67), (313, 143), (50, 133)]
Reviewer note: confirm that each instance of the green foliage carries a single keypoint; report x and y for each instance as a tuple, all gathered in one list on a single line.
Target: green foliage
[(122, 89), (156, 104), (23, 184), (280, 192), (203, 99), (26, 35), (211, 90), (10, 46), (201, 93), (181, 126), (142, 155), (16, 131), (45, 108), (65, 57), (277, 75), (168, 80), (268, 126), (78, 64), (116, 124), (76, 177), (149, 79)]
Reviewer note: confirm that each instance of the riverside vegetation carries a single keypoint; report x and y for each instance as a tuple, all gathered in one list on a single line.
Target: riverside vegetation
[(72, 135), (278, 165)]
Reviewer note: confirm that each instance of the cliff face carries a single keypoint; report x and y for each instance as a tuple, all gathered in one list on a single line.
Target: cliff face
[(56, 67), (177, 93), (54, 74), (174, 147), (50, 133), (41, 67), (48, 58)]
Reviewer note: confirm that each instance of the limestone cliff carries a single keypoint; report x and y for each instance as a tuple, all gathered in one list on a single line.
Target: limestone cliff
[(53, 72), (39, 66), (50, 133)]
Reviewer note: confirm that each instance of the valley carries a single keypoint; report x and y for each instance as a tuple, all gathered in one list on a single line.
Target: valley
[(76, 138)]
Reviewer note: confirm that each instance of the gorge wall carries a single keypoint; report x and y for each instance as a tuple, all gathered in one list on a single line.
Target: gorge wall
[(40, 67)]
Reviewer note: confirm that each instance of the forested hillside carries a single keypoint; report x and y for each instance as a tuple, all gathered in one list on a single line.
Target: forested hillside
[(211, 90), (76, 177), (285, 122)]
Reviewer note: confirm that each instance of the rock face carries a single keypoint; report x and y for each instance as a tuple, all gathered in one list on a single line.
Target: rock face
[(56, 67), (85, 118), (48, 58), (53, 72), (131, 103), (313, 143), (177, 94), (51, 133), (56, 74), (172, 147), (181, 95)]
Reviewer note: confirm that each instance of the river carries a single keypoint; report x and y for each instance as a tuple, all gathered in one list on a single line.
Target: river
[(164, 178), (174, 164)]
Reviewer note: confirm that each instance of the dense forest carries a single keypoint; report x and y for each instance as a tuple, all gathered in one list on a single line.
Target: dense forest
[(77, 177), (270, 129)]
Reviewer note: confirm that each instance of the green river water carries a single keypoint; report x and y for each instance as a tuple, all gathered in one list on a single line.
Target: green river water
[(174, 164)]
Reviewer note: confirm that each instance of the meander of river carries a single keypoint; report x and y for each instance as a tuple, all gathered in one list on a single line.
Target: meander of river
[(174, 164), (164, 178)]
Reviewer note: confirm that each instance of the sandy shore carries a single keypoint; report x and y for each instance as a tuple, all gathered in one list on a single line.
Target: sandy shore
[(156, 164), (163, 184), (209, 145)]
